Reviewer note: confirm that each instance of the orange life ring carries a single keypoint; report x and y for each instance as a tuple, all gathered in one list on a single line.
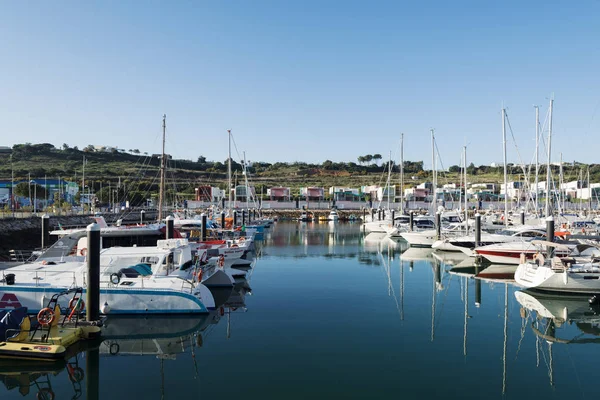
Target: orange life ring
[(234, 245), (83, 252), (242, 238), (76, 302), (46, 316)]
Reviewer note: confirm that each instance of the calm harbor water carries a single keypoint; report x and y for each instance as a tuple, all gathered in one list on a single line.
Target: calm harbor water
[(335, 314)]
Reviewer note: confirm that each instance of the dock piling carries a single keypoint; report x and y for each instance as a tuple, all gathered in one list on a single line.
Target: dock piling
[(170, 223), (45, 230), (93, 272), (203, 229)]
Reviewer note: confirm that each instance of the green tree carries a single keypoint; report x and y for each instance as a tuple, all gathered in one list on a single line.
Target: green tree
[(376, 158)]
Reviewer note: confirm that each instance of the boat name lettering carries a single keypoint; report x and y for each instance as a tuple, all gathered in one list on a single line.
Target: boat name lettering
[(10, 300)]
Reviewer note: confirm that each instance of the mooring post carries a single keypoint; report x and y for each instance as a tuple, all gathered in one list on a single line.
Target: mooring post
[(550, 235), (412, 220), (170, 230), (438, 225), (45, 232), (477, 229), (222, 219), (203, 229), (379, 214), (235, 221), (142, 216), (393, 216), (243, 217), (93, 272), (522, 217)]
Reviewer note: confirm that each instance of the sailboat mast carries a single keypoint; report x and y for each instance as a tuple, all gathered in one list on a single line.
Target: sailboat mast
[(229, 171), (434, 183), (590, 191), (402, 173), (537, 153), (465, 183), (389, 182), (161, 194), (560, 186), (548, 163), (505, 167)]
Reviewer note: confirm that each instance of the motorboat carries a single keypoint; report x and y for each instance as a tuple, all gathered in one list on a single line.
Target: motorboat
[(135, 280), (511, 252), (333, 216), (467, 243), (566, 275)]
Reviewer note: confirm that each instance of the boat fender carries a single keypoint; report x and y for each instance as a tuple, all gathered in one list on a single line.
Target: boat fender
[(222, 311), (115, 278), (105, 308), (114, 349), (522, 258), (46, 316), (83, 252)]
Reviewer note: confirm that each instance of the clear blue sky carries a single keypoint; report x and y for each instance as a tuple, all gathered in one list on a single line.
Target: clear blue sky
[(302, 80)]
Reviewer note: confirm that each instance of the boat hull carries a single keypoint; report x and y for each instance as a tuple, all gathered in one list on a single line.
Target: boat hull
[(120, 301)]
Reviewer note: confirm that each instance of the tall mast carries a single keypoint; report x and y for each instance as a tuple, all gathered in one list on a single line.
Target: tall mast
[(537, 152), (389, 182), (548, 163), (229, 171), (560, 185), (434, 183), (161, 194), (589, 190), (82, 197), (505, 167), (401, 173), (466, 209)]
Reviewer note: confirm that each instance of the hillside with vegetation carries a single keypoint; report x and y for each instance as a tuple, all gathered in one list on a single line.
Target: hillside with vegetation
[(137, 174)]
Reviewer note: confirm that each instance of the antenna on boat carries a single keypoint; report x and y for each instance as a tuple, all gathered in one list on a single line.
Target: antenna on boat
[(161, 193)]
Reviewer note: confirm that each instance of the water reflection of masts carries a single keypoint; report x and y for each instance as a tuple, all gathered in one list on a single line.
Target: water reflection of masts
[(401, 289), (388, 266), (466, 301), (437, 285), (505, 338)]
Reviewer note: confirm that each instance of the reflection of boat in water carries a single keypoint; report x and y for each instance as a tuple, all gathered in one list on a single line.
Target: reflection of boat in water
[(165, 336), (417, 253), (451, 258), (498, 272), (559, 310)]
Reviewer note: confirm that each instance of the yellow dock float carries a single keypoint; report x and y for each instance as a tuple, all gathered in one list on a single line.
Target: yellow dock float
[(44, 338)]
